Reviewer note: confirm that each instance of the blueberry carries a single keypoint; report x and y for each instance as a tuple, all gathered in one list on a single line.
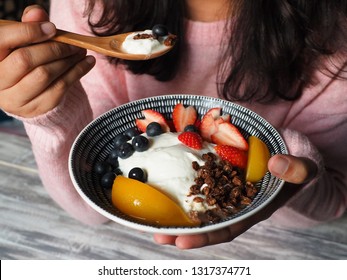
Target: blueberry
[(113, 158), (132, 132), (154, 129), (107, 180), (113, 161), (113, 154), (140, 143), (191, 128), (120, 139), (160, 30), (125, 150), (102, 167), (138, 174)]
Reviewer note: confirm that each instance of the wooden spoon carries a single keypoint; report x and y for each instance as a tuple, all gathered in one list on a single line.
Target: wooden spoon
[(110, 45)]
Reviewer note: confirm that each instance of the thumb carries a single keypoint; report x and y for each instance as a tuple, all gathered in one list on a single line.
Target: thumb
[(34, 13), (296, 170)]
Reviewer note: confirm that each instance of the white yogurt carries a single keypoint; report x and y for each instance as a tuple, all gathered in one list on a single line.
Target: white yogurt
[(143, 46), (168, 164)]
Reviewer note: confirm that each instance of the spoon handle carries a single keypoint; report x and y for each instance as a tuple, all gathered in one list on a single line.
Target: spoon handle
[(78, 40), (110, 46)]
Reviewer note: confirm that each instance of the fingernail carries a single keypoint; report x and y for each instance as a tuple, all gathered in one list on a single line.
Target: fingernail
[(90, 59), (281, 166), (26, 10), (48, 28), (31, 7)]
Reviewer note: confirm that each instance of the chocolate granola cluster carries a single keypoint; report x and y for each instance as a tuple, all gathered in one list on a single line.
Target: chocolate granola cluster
[(169, 40), (222, 186)]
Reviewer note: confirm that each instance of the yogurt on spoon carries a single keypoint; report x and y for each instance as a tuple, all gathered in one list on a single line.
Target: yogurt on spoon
[(148, 41)]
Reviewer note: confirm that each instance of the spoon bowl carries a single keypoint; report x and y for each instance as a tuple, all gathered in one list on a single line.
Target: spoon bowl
[(108, 45)]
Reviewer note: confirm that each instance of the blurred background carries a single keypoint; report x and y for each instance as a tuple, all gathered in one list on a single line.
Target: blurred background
[(13, 9)]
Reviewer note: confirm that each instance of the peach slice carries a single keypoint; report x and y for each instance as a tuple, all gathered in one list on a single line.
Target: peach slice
[(147, 204), (258, 157)]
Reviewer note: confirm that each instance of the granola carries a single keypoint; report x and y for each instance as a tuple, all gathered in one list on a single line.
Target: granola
[(221, 185)]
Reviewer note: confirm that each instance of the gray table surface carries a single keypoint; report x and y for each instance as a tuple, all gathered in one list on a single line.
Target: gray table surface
[(32, 226)]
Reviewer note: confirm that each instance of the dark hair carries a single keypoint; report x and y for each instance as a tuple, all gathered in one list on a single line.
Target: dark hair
[(275, 48)]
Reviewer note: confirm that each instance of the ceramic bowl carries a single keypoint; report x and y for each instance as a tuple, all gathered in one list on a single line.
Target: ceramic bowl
[(95, 142)]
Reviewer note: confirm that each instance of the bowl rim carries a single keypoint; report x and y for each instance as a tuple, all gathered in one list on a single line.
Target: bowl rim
[(171, 230)]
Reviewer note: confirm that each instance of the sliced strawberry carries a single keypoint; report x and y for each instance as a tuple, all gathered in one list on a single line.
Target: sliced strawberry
[(210, 122), (214, 112), (208, 126), (191, 139), (225, 118), (151, 116), (183, 116), (233, 155), (228, 134)]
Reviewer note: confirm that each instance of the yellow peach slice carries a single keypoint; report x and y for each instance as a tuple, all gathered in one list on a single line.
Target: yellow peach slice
[(258, 157), (147, 204)]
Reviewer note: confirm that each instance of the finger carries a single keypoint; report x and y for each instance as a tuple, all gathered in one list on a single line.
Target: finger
[(292, 169), (223, 235), (165, 239), (22, 97), (22, 34), (34, 13), (52, 96), (24, 60), (42, 76), (201, 240), (185, 242)]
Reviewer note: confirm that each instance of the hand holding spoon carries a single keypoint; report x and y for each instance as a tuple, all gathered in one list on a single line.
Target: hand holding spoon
[(109, 45)]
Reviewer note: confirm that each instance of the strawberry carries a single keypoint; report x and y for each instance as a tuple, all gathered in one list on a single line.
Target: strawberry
[(183, 116), (211, 121), (224, 118), (151, 116), (191, 139), (228, 134), (233, 155), (218, 129), (207, 125)]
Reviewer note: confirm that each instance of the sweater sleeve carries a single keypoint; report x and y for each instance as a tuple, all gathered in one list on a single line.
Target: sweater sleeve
[(321, 115), (52, 135)]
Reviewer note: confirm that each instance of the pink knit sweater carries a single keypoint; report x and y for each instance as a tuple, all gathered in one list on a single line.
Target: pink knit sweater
[(320, 114)]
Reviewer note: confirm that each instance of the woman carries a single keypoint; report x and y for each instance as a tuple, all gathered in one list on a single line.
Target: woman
[(283, 59)]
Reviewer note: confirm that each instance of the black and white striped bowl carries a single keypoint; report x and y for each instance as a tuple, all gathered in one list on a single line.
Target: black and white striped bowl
[(94, 144)]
